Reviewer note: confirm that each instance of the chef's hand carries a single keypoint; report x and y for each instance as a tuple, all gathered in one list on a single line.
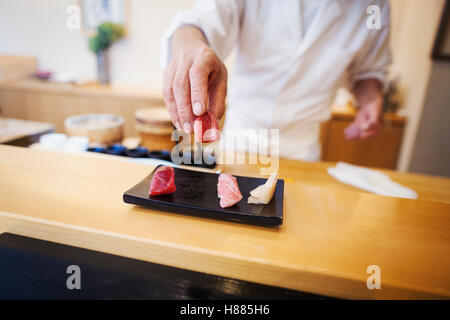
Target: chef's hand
[(369, 120), (194, 79)]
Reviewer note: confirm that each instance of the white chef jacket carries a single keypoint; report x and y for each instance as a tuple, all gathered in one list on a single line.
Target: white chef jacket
[(291, 57)]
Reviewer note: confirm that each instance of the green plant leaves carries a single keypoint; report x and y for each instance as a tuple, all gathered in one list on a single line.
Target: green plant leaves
[(107, 34)]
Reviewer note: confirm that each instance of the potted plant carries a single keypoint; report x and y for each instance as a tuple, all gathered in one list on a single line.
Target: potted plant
[(107, 34)]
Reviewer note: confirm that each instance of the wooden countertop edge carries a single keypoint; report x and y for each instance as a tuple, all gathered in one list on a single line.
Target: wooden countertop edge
[(321, 282)]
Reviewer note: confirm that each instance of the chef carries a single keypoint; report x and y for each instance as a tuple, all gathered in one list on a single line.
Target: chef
[(291, 57)]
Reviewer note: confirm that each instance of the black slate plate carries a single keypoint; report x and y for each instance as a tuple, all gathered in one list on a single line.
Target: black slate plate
[(196, 194)]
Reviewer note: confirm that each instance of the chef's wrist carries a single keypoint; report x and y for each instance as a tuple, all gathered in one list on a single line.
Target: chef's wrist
[(187, 37), (368, 92)]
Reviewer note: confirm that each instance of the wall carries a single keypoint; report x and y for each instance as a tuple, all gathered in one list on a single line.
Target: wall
[(38, 28), (414, 26), (431, 154)]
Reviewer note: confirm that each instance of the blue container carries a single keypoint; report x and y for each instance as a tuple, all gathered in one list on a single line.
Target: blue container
[(137, 152), (160, 154), (116, 149), (97, 149)]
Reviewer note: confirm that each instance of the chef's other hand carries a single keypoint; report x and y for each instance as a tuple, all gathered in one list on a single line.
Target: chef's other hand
[(369, 120), (194, 79)]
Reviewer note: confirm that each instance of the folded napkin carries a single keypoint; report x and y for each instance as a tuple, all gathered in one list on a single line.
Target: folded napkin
[(370, 180)]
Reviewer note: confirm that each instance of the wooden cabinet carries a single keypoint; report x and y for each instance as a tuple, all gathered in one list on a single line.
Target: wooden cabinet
[(49, 102), (380, 151), (13, 68)]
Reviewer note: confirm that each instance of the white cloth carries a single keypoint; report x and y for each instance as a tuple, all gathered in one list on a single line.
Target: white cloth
[(370, 180), (291, 58), (308, 11)]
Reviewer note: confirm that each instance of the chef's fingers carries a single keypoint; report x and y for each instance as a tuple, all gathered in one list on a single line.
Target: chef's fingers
[(199, 75), (371, 115), (182, 93), (352, 131), (368, 133), (218, 94), (169, 98), (373, 130), (371, 125), (366, 121)]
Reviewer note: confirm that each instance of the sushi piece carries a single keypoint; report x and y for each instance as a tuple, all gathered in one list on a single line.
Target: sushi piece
[(206, 128), (228, 190), (264, 193), (163, 181)]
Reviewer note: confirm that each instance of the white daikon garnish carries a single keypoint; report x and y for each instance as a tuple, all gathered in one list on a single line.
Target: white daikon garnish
[(264, 193)]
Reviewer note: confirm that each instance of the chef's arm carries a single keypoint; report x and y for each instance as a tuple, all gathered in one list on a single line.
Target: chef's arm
[(369, 120), (368, 76), (187, 37), (192, 50)]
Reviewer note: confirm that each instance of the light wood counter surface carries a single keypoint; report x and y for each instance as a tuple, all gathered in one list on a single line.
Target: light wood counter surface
[(11, 129), (331, 232)]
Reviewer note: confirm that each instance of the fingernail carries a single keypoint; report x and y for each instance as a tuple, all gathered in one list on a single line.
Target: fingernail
[(178, 125), (198, 109), (187, 127)]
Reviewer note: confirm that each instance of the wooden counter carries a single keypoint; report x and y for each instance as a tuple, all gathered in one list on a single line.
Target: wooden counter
[(330, 235), (13, 129)]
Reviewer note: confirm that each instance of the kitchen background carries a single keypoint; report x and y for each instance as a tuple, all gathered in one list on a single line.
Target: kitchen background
[(38, 29)]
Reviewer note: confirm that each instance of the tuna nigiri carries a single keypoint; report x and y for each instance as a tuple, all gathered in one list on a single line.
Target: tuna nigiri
[(228, 190), (163, 181), (206, 128)]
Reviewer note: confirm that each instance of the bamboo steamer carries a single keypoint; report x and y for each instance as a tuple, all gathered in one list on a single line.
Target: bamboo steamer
[(99, 128), (155, 128)]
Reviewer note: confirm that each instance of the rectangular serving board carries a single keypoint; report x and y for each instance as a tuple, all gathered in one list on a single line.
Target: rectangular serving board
[(196, 195)]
